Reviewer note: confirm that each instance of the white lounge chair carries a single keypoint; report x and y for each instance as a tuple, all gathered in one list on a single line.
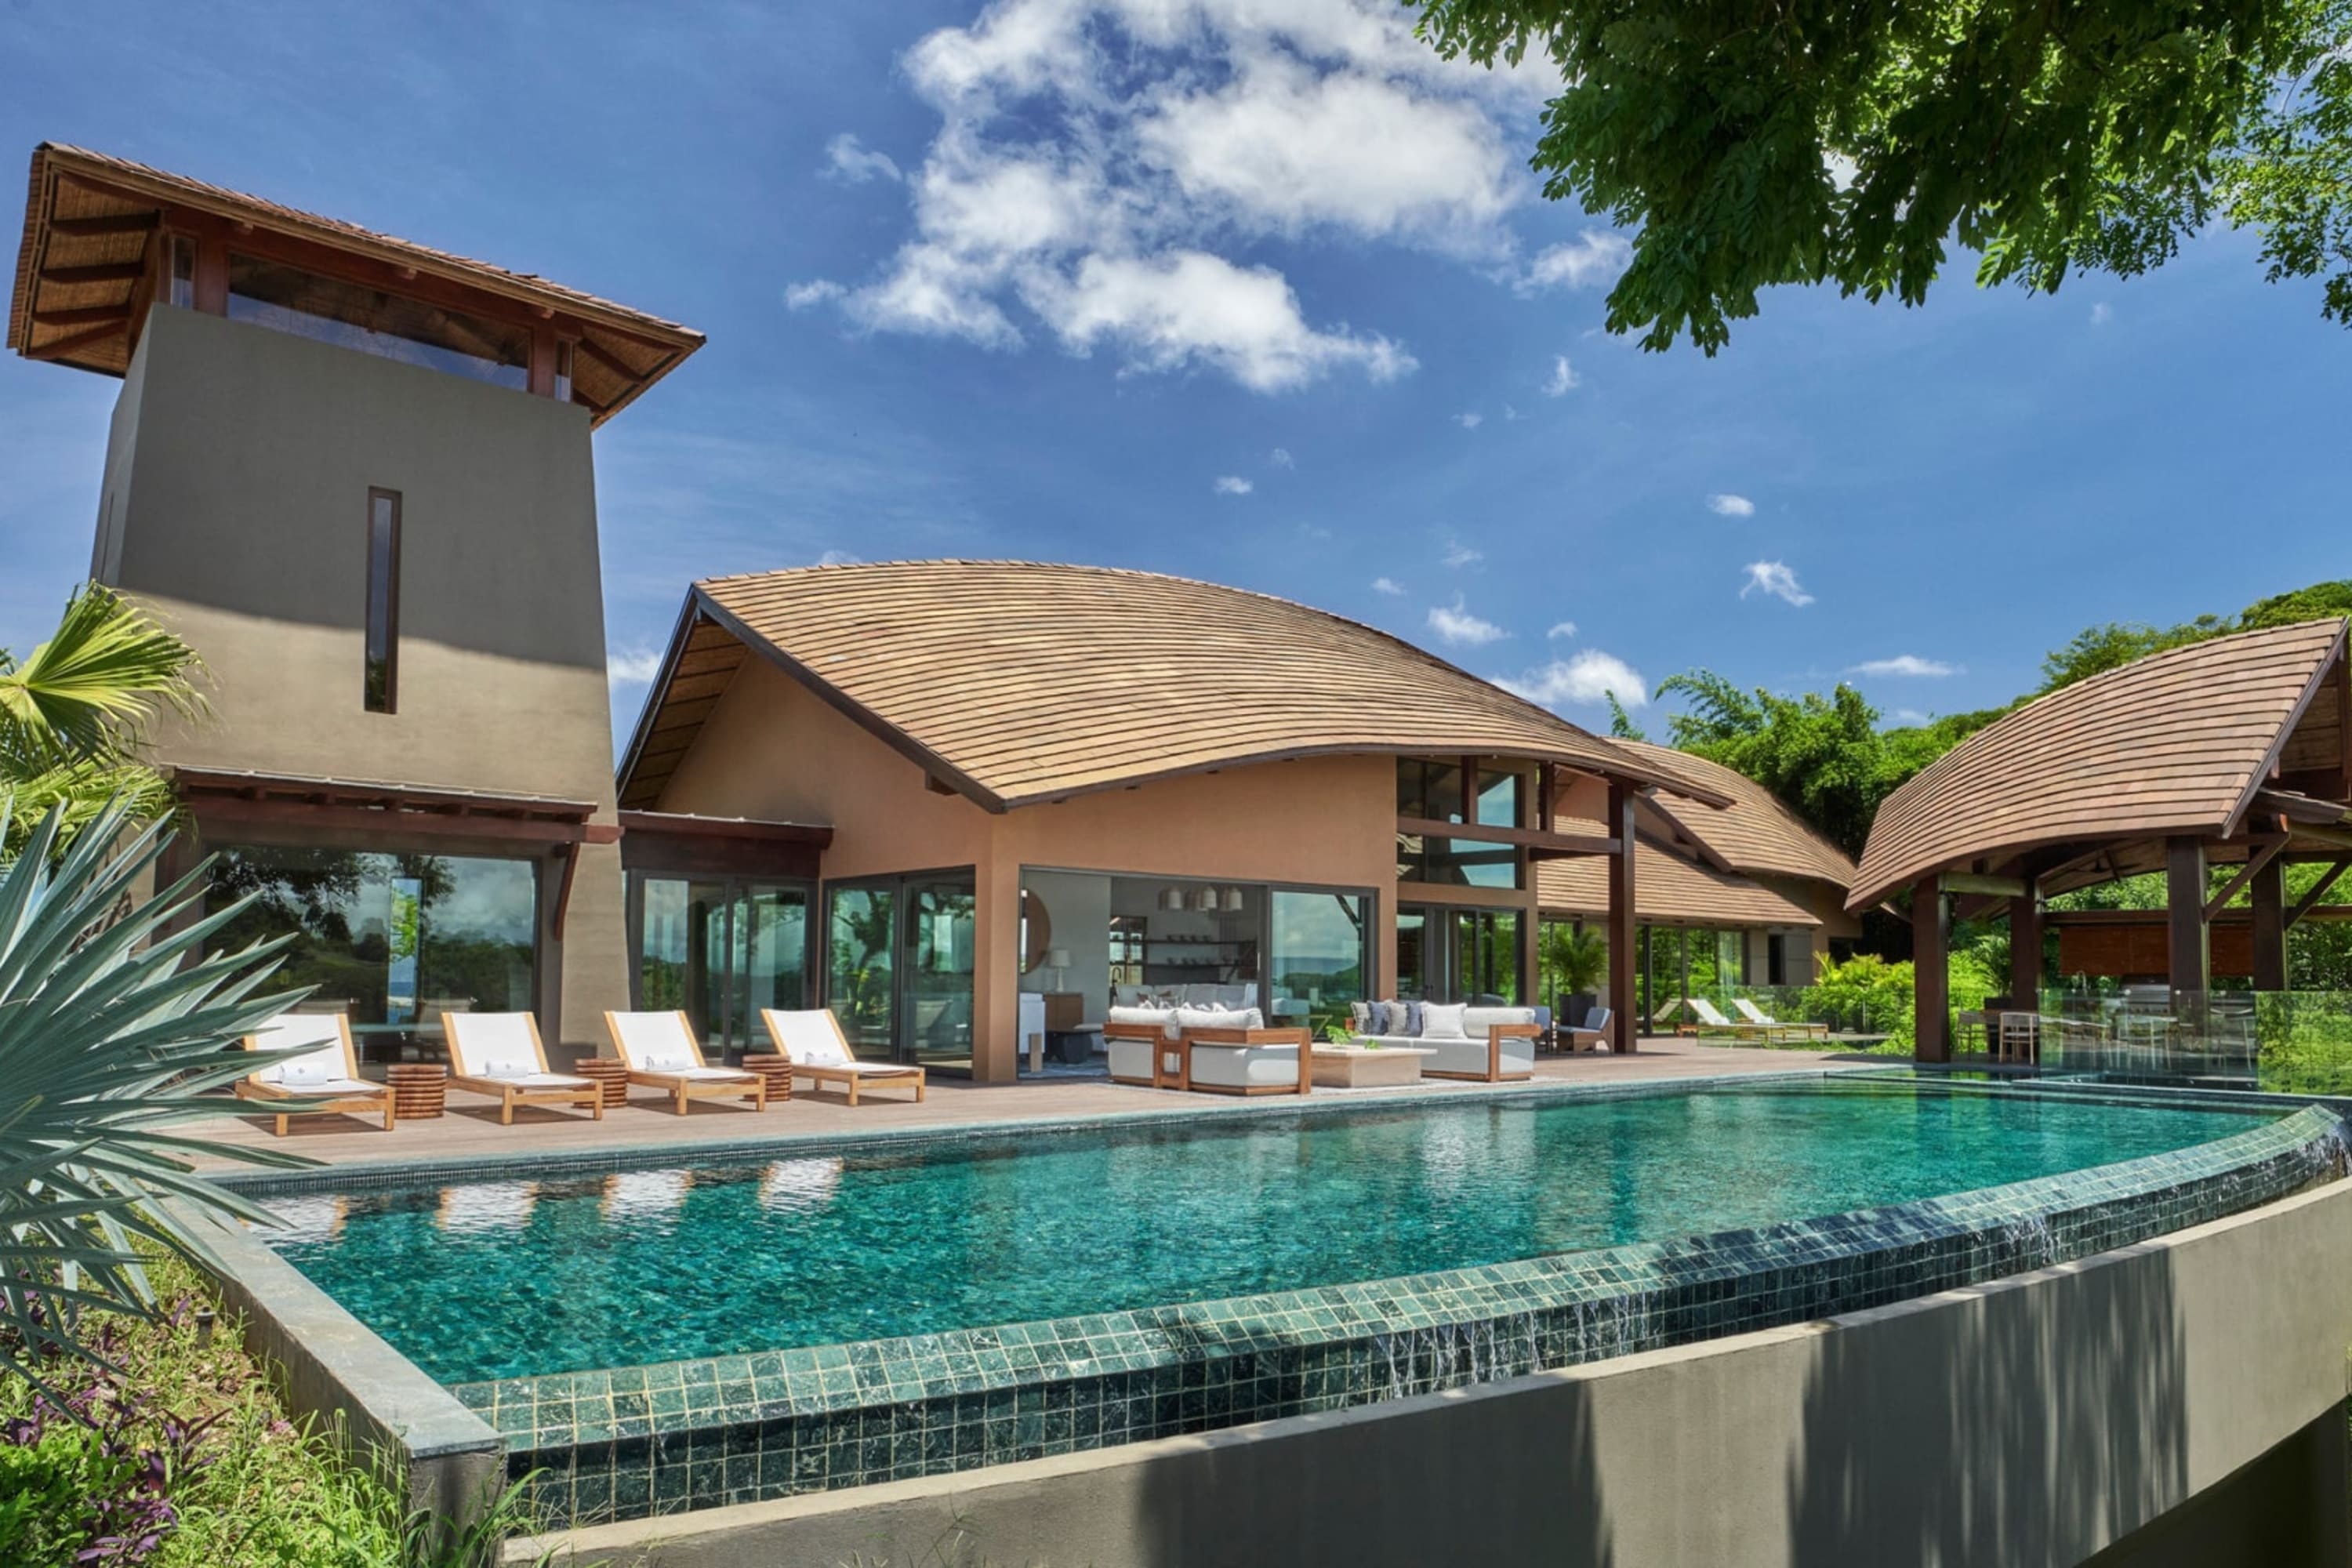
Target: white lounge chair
[(660, 1050), (326, 1077), (1711, 1020), (500, 1055), (814, 1042), (1773, 1026)]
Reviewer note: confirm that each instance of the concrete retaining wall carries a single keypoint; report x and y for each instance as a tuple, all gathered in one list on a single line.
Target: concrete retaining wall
[(2039, 1419)]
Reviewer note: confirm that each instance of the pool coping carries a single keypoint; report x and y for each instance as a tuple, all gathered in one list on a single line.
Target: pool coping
[(633, 1441)]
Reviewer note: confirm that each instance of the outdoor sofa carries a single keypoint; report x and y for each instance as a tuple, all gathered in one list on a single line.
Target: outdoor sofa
[(1486, 1044), (1216, 1050)]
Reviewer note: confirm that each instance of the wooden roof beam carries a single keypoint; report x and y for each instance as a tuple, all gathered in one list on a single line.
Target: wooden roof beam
[(2310, 901), (109, 223), (2246, 873), (101, 272), (60, 347), (82, 317)]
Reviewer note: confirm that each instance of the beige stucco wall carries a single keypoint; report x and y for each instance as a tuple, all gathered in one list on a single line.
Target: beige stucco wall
[(772, 749), (2034, 1421), (238, 473)]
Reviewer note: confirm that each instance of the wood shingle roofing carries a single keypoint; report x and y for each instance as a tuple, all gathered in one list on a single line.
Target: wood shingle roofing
[(86, 264), (1668, 891), (1757, 832), (2174, 743), (1017, 682)]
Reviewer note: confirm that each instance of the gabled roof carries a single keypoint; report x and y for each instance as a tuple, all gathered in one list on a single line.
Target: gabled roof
[(2176, 744), (1757, 833), (90, 219), (1668, 891), (1016, 682)]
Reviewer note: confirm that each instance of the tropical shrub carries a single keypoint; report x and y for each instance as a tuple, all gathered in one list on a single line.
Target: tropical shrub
[(113, 1025)]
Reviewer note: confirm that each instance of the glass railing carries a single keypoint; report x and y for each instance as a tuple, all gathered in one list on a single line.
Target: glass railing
[(2291, 1042)]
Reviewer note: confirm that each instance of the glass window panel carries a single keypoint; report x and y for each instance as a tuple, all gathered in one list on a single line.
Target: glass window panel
[(395, 940), (1317, 959), (1498, 799), (772, 938), (940, 938), (390, 326), (382, 636), (861, 955), (1414, 955)]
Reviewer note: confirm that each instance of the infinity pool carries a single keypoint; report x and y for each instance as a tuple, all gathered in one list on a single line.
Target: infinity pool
[(512, 1279)]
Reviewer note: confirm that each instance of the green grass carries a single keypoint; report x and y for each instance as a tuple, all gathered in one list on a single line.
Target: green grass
[(251, 1487)]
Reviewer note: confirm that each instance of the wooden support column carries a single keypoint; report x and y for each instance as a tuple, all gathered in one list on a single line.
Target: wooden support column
[(1931, 980), (2184, 893), (1624, 1007), (2269, 894), (2025, 953)]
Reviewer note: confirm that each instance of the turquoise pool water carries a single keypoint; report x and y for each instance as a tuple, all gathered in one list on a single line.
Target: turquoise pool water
[(512, 1279)]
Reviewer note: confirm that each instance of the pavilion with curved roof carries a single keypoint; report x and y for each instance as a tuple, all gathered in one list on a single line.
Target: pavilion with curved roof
[(1174, 785), (2236, 751)]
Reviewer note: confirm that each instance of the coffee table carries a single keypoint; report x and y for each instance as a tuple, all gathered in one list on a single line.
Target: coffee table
[(1368, 1067)]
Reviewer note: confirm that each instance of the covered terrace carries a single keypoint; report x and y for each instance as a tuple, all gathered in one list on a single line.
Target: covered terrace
[(2234, 752)]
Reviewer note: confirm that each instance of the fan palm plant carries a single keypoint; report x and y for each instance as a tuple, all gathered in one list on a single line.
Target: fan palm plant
[(113, 1023), (71, 715)]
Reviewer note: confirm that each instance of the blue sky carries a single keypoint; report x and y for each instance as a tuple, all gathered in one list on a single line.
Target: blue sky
[(1267, 297)]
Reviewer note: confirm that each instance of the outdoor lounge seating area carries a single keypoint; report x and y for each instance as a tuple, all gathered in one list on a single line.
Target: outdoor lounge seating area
[(1462, 1040)]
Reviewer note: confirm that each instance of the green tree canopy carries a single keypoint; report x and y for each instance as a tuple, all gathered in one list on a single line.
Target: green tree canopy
[(1750, 144)]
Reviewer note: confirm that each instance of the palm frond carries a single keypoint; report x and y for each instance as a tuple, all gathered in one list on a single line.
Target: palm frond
[(113, 1027), (84, 695)]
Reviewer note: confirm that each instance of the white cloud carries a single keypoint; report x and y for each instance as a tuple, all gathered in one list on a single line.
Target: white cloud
[(1909, 715), (632, 668), (801, 296), (847, 160), (1588, 677), (1455, 625), (1774, 577), (1470, 421), (1731, 506), (1593, 258), (1511, 416), (1905, 664), (1389, 586), (1232, 484), (1562, 629), (1563, 378), (2101, 314), (1280, 459), (1100, 166), (1458, 555), (840, 558)]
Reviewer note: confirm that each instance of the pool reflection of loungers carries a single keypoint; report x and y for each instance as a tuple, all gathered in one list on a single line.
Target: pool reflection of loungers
[(646, 1195), (486, 1209), (799, 1186)]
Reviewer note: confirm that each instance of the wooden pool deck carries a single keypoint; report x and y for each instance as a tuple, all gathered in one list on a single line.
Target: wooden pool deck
[(471, 1124)]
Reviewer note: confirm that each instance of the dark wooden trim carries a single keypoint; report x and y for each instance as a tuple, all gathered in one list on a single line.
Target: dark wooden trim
[(209, 811), (2269, 913), (1559, 844), (2310, 901), (1931, 978), (2301, 810), (2262, 855), (2264, 769), (60, 347), (1992, 887), (96, 272), (109, 223), (82, 316), (661, 822), (2187, 951), (569, 854), (2025, 951), (1623, 926)]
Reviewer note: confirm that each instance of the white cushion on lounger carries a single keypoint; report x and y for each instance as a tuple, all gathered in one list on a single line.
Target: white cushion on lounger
[(291, 1031), (875, 1069), (493, 1045), (540, 1079), (654, 1042), (704, 1075), (338, 1084)]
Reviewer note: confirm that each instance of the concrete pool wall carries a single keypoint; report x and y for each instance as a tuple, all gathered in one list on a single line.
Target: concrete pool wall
[(2178, 1401)]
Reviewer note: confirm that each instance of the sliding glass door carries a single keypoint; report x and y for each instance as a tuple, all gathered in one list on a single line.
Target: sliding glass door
[(720, 949), (1447, 953), (899, 966)]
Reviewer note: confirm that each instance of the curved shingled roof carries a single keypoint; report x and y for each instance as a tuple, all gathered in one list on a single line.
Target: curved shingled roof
[(1668, 891), (1757, 833), (2174, 743), (1017, 682)]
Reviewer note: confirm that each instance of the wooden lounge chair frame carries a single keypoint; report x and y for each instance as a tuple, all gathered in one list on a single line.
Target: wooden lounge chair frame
[(1719, 1025), (350, 1104), (1213, 1038), (1495, 1035), (509, 1094), (891, 1074), (1752, 1014), (682, 1089)]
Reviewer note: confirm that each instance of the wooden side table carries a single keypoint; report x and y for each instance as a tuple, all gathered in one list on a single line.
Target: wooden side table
[(776, 1068), (610, 1074), (420, 1091)]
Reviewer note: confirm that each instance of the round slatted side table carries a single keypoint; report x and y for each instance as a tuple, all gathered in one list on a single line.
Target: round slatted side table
[(776, 1068), (420, 1091), (611, 1074)]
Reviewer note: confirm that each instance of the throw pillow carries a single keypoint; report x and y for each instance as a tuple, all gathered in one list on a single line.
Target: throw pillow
[(315, 1067), (1359, 1014), (1443, 1021)]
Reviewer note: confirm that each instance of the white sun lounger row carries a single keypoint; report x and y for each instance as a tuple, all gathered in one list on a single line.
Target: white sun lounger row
[(500, 1055)]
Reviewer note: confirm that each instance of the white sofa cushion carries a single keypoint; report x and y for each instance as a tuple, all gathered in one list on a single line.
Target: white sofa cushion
[(1444, 1021), (1476, 1021), (1469, 1057), (1246, 1067), (1218, 1018), (1161, 1018)]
